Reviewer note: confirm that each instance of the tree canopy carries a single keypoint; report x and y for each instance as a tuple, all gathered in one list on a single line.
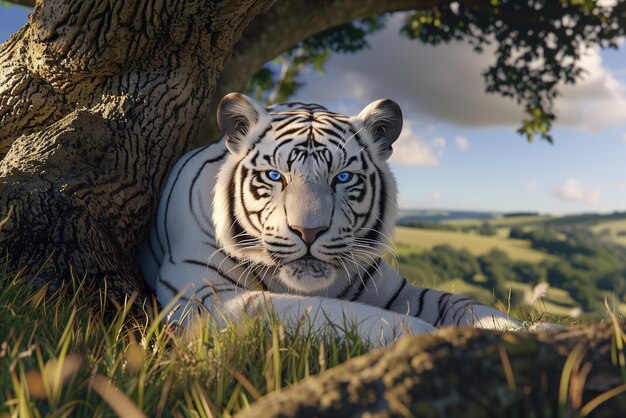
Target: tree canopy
[(538, 46)]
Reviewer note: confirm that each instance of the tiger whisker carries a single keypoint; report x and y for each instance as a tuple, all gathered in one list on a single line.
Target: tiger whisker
[(343, 146), (359, 266), (387, 236), (372, 258), (391, 250)]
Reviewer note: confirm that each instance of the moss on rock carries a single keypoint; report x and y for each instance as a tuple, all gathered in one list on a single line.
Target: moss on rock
[(464, 372)]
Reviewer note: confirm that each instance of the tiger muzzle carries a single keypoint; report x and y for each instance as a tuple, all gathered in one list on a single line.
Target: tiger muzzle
[(308, 235), (309, 208)]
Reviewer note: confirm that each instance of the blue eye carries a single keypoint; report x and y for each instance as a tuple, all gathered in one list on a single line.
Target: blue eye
[(273, 175), (343, 177)]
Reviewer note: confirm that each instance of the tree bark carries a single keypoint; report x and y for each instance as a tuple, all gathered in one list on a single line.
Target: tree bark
[(464, 373), (97, 100)]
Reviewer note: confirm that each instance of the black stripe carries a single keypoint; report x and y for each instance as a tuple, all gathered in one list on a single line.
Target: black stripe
[(441, 307), (452, 305), (172, 289), (329, 131), (244, 174), (361, 289), (345, 291), (382, 201), (191, 188), (273, 252), (167, 204), (370, 273), (233, 221), (215, 293), (462, 310), (254, 158), (420, 306), (259, 139), (288, 132), (277, 148), (332, 122), (261, 282), (395, 296), (335, 246), (158, 262), (280, 244), (215, 269), (288, 121)]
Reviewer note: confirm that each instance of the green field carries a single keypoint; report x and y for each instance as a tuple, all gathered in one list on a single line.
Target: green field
[(501, 222), (612, 229), (409, 239), (557, 303)]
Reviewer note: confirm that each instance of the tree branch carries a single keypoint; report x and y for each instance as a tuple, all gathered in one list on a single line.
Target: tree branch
[(282, 26), (25, 3)]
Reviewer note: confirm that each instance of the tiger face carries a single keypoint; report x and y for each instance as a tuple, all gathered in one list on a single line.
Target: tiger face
[(305, 191)]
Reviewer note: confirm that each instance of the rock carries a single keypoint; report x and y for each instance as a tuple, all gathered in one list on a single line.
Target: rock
[(465, 372)]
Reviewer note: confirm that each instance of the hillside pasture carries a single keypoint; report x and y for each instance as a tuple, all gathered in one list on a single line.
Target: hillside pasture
[(615, 230), (407, 240), (501, 222)]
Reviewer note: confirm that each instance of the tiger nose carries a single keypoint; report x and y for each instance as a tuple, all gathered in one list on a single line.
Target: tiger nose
[(308, 235)]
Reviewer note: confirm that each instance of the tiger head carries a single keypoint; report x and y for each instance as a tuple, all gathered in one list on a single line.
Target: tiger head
[(306, 191)]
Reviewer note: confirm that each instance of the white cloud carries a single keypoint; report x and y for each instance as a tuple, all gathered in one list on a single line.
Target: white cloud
[(462, 143), (439, 144), (436, 196), (572, 191), (532, 185), (446, 84), (412, 149), (595, 102)]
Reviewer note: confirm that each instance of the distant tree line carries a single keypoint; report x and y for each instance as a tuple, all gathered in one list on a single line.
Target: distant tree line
[(437, 226), (519, 214), (580, 264)]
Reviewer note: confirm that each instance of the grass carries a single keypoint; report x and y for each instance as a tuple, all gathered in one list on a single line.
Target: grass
[(407, 239), (59, 358)]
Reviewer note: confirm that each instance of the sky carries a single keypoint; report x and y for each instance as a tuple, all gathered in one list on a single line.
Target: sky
[(459, 149)]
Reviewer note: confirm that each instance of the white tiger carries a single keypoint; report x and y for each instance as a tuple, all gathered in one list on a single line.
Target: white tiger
[(293, 210)]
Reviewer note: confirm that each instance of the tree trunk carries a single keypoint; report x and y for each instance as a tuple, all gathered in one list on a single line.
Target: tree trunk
[(97, 100), (464, 372)]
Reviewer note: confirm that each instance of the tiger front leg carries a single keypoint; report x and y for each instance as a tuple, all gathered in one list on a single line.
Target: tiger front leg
[(435, 307), (377, 327)]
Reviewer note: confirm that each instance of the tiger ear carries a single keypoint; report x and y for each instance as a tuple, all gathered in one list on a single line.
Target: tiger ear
[(237, 115), (382, 121)]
